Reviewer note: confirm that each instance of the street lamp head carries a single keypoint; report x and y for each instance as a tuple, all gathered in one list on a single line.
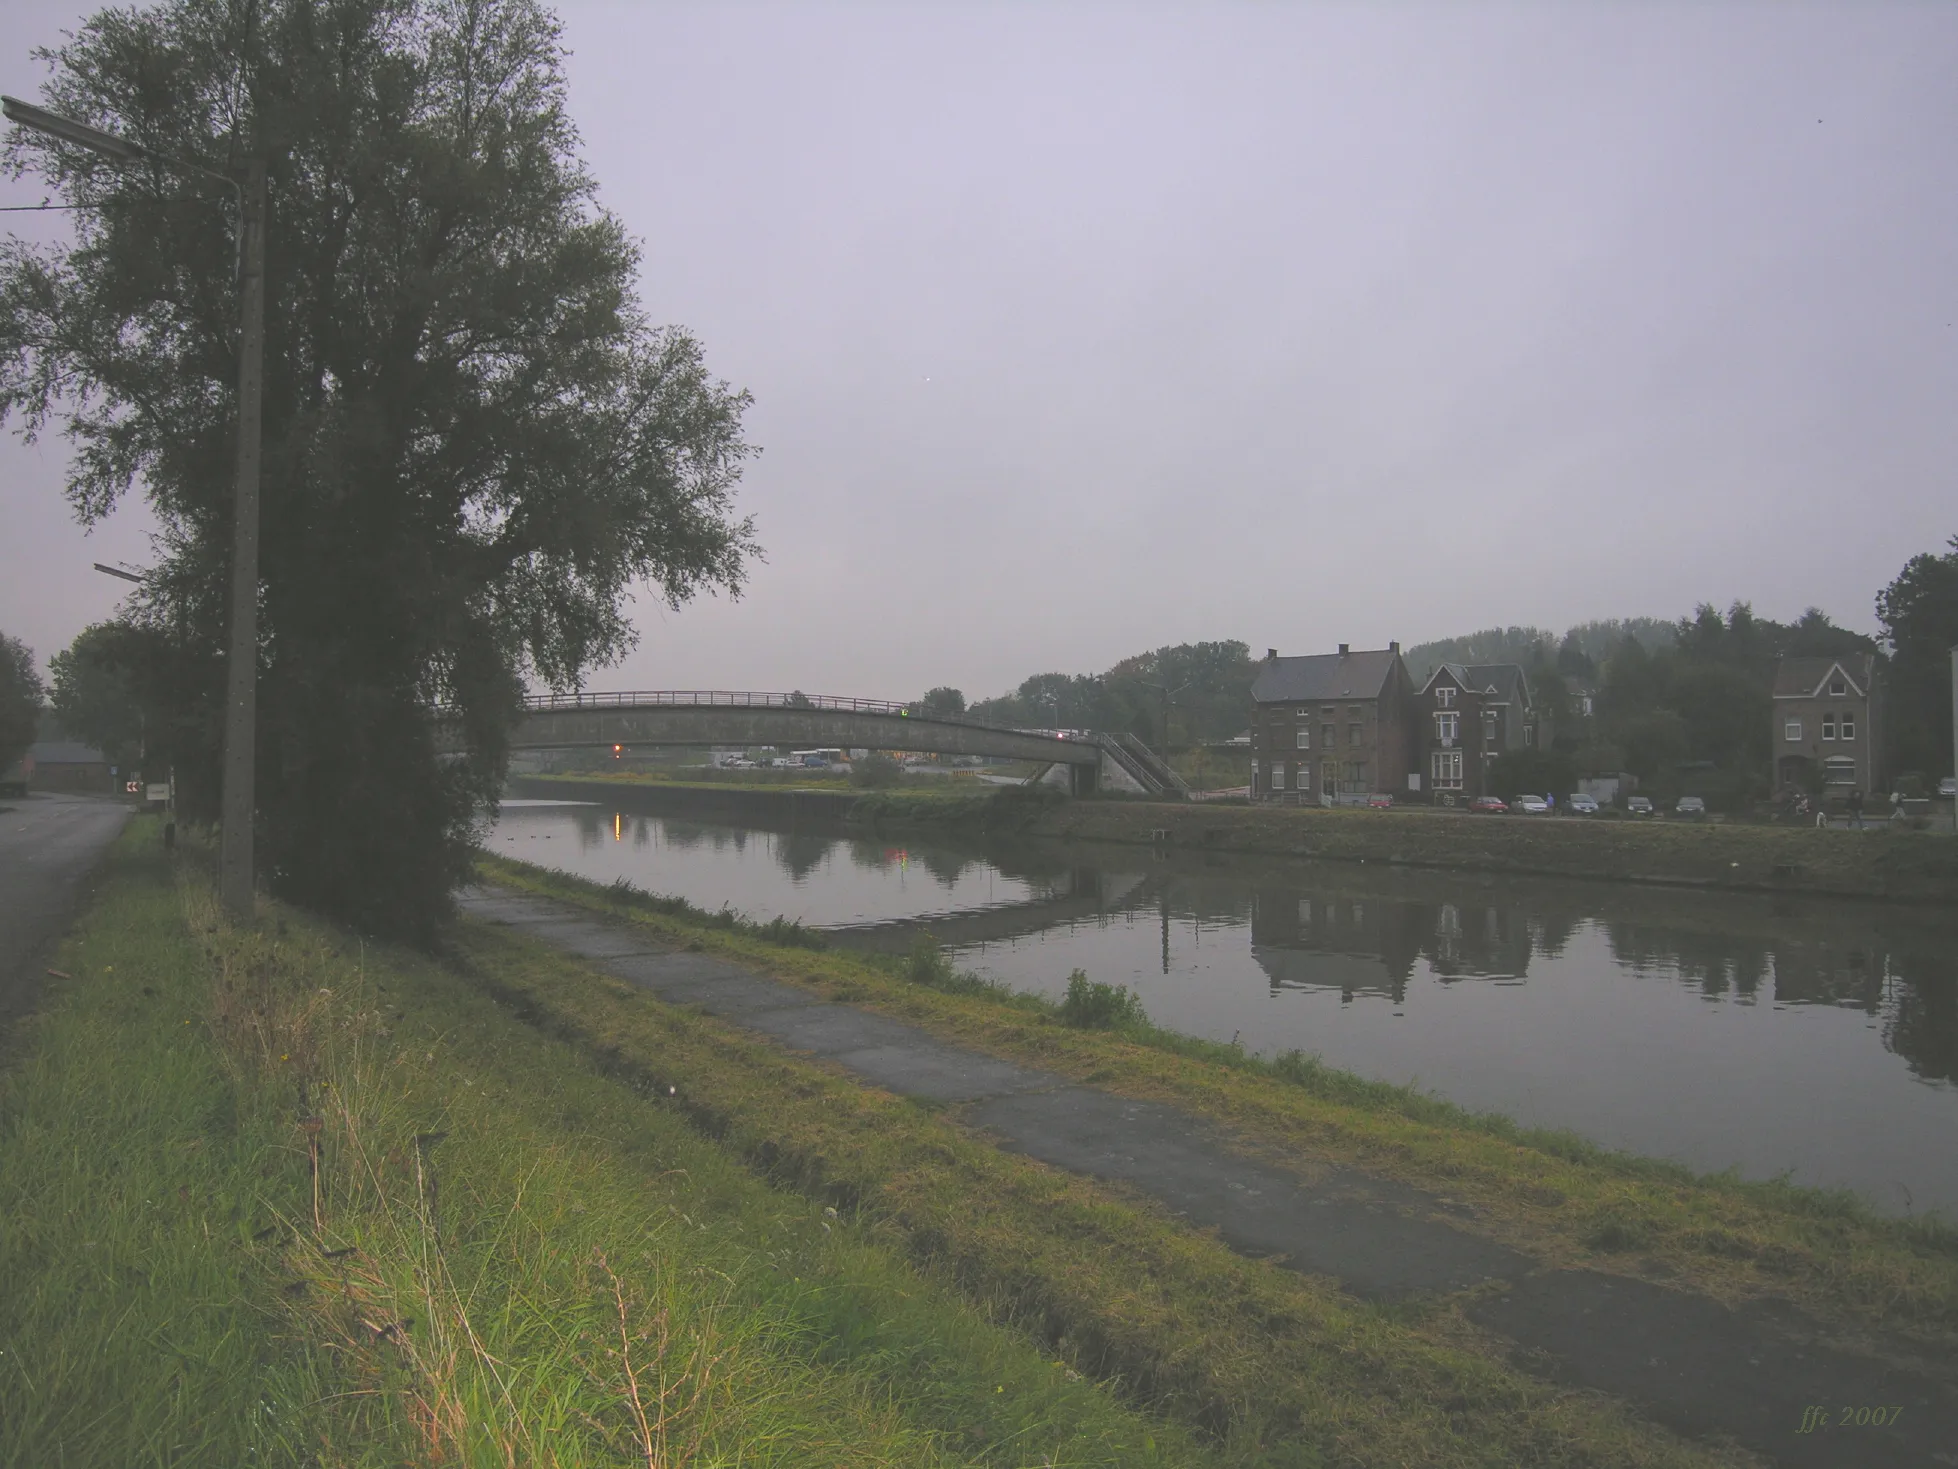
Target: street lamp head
[(27, 115)]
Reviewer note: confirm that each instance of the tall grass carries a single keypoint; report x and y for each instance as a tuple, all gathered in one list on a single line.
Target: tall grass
[(273, 1196)]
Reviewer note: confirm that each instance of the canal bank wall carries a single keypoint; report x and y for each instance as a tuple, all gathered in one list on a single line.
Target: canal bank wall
[(1877, 864)]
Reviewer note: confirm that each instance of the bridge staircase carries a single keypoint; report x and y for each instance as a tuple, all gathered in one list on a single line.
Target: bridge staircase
[(1144, 766)]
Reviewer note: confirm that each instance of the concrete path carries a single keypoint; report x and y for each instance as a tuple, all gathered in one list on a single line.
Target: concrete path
[(48, 844), (1684, 1361)]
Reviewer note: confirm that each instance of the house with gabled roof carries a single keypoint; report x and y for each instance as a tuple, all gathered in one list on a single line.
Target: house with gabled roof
[(1331, 728), (1827, 722), (1467, 715)]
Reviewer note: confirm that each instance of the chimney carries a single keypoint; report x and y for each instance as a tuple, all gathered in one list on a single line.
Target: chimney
[(1271, 652), (1393, 647), (1344, 649)]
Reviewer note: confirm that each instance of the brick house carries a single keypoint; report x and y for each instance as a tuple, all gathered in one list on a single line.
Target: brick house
[(1467, 715), (1826, 717), (1331, 728)]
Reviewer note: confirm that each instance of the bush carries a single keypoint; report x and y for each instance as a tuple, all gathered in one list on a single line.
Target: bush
[(875, 772), (1096, 1006)]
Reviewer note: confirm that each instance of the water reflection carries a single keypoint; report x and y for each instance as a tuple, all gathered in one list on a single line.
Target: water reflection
[(1723, 1030)]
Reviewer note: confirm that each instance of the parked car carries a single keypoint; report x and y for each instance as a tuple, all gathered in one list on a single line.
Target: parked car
[(1530, 805), (1488, 803), (1948, 786), (1689, 806), (1379, 801), (1581, 805), (1638, 805)]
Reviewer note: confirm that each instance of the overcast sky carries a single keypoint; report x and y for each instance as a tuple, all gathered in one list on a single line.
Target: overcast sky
[(1076, 330)]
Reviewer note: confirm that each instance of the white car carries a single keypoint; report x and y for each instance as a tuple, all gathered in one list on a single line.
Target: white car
[(1530, 806), (1581, 805), (1948, 786)]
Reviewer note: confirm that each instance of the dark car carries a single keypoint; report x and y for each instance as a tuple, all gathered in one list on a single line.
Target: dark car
[(1690, 806), (1494, 804), (1638, 805)]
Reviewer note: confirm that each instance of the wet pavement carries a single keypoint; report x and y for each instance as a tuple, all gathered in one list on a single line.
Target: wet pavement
[(1692, 1364), (49, 843)]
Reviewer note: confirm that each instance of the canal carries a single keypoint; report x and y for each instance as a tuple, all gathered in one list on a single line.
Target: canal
[(1765, 1035)]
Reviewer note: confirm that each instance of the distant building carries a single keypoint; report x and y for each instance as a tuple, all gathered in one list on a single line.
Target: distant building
[(64, 765), (1468, 714), (1331, 728), (1827, 713)]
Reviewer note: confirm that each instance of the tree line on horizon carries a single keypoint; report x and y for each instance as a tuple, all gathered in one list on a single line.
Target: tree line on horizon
[(1694, 691)]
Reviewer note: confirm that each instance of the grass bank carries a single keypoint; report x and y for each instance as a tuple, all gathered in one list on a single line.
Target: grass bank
[(1552, 1194), (1905, 867), (278, 1196)]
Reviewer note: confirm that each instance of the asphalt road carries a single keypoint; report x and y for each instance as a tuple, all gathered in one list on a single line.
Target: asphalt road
[(49, 843)]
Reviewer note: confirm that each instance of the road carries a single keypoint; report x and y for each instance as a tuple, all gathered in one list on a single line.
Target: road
[(49, 843)]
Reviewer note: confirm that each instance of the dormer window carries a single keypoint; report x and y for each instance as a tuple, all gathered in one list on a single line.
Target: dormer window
[(1445, 696), (1836, 688)]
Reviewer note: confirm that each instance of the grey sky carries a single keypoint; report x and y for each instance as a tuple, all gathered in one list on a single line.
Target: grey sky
[(1076, 330)]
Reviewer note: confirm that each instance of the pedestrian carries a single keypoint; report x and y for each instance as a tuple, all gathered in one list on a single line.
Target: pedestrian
[(1856, 809)]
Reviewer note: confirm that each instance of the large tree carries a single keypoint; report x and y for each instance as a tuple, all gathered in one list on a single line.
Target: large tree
[(475, 441), (20, 699), (1919, 613)]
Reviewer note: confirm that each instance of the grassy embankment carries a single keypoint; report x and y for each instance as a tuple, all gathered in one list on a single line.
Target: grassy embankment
[(1554, 1195), (1909, 867), (328, 1203), (282, 1197)]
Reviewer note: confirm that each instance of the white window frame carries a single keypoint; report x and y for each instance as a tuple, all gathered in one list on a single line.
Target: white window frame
[(1445, 697), (1837, 688), (1278, 775), (1302, 777), (1792, 731), (1448, 727), (1839, 770), (1445, 770), (1305, 737), (1829, 727), (1846, 727)]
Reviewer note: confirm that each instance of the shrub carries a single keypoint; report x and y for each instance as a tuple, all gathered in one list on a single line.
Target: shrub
[(1091, 1005), (876, 771)]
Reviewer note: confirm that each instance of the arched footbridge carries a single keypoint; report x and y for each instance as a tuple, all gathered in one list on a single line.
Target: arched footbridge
[(707, 717)]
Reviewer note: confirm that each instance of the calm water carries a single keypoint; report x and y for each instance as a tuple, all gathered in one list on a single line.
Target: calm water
[(1724, 1031)]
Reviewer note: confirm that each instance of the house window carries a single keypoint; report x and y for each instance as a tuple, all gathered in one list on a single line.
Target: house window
[(1828, 726), (1448, 728), (1836, 689), (1327, 736), (1445, 769), (1839, 770), (1792, 730), (1304, 781), (1356, 734), (1277, 776), (1445, 697), (1254, 774), (1356, 783), (1849, 726), (1529, 734), (1305, 738)]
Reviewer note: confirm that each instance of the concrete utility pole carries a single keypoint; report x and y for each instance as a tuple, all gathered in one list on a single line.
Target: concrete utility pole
[(236, 803), (235, 885)]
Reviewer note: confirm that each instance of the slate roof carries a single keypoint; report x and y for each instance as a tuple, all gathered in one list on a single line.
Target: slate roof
[(1801, 678), (1505, 678), (65, 752), (1359, 675)]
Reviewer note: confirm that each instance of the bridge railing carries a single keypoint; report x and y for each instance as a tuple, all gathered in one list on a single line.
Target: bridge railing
[(749, 699), (723, 698)]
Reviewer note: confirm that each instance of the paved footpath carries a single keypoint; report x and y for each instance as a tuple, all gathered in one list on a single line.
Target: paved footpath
[(49, 843), (1682, 1360)]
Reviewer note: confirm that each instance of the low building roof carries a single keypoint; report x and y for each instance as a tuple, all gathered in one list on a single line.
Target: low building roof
[(1314, 676), (65, 752), (1803, 678)]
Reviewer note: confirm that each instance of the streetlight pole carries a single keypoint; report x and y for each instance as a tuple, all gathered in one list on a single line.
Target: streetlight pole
[(235, 884)]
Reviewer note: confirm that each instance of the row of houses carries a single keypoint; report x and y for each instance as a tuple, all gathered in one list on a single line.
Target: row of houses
[(1336, 728)]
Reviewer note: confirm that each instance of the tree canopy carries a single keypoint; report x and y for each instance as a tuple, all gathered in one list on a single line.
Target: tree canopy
[(20, 699), (475, 443), (1919, 614)]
